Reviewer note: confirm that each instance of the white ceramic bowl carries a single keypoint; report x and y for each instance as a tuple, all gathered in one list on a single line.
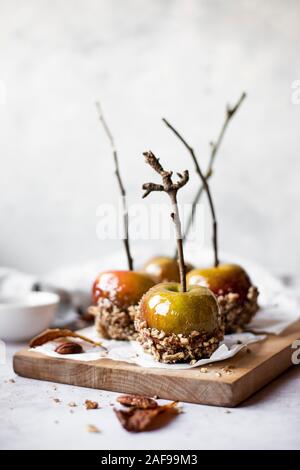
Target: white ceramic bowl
[(23, 317)]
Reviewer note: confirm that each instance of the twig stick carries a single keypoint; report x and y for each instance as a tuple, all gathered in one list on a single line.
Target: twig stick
[(121, 186), (230, 112), (171, 189), (206, 187)]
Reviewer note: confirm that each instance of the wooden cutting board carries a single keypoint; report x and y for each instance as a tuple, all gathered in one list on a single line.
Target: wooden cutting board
[(250, 370)]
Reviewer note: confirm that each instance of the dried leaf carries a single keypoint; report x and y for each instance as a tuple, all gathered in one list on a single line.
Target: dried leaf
[(137, 401), (137, 420), (91, 405), (52, 334)]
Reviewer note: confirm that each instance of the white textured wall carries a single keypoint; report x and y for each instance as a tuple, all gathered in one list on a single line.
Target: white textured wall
[(179, 58)]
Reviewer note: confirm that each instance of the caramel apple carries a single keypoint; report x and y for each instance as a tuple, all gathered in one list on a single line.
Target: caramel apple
[(116, 295), (164, 269), (176, 324), (236, 295)]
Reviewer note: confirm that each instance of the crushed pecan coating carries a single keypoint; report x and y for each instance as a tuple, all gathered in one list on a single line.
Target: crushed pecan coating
[(92, 429), (91, 405)]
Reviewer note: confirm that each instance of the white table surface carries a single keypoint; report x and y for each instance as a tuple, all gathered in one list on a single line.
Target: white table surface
[(31, 419)]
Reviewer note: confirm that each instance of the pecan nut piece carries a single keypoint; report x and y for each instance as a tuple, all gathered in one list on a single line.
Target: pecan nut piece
[(137, 420), (69, 348)]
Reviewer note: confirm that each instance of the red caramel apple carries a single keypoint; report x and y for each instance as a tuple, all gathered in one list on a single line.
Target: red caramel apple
[(179, 326), (116, 295), (164, 269), (236, 295)]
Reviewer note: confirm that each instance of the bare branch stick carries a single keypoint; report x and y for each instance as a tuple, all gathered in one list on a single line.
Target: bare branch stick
[(121, 186), (230, 112), (171, 189), (206, 187)]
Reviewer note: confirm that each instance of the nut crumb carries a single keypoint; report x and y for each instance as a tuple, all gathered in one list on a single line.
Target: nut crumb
[(10, 381), (52, 334), (91, 405), (203, 370), (218, 374), (72, 404), (56, 400), (171, 348), (93, 429)]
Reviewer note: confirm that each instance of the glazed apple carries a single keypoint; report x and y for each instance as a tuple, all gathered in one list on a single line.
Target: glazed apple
[(122, 288), (164, 269), (116, 295), (178, 326), (236, 295), (166, 308)]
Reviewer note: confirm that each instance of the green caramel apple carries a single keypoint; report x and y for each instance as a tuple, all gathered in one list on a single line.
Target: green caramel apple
[(166, 308), (222, 280), (122, 288), (164, 269)]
